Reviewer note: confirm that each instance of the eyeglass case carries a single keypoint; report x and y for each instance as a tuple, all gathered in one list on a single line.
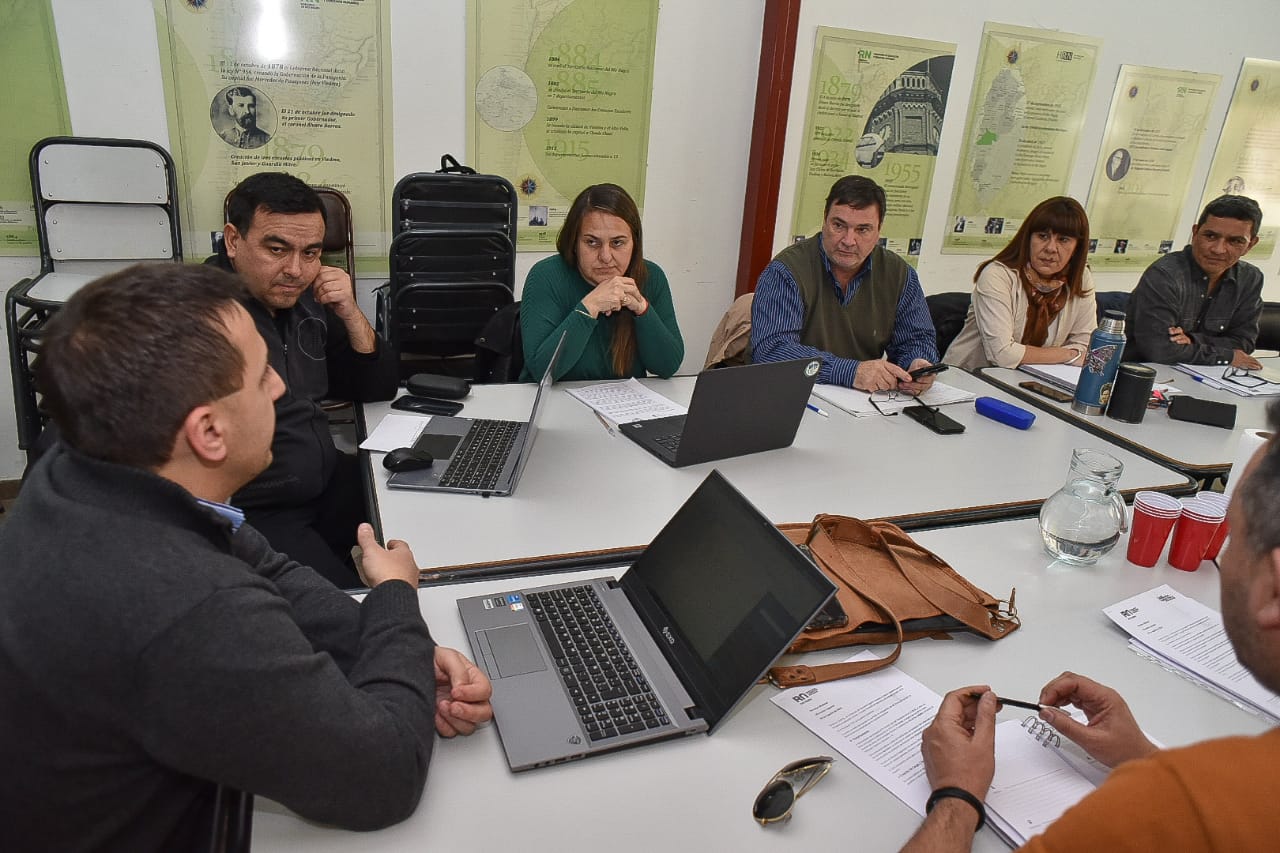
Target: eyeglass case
[(1005, 413), (433, 385)]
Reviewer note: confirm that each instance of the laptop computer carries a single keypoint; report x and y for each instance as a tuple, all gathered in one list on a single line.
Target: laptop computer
[(698, 619), (734, 411), (477, 456)]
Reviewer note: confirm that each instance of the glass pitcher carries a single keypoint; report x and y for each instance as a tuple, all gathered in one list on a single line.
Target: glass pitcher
[(1084, 519)]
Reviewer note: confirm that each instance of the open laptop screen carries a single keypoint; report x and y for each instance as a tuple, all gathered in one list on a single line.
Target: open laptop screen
[(726, 591)]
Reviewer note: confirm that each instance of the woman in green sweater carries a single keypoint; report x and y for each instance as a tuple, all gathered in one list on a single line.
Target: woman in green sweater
[(612, 305)]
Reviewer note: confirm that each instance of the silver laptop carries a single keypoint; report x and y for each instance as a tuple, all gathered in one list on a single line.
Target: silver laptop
[(665, 652), (734, 411), (477, 456)]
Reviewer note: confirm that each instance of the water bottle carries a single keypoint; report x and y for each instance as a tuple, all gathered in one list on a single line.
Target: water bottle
[(1106, 345)]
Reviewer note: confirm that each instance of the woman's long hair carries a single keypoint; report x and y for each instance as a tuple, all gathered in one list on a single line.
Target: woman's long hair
[(614, 200)]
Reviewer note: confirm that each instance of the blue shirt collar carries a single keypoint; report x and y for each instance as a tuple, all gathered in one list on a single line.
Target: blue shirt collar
[(227, 511)]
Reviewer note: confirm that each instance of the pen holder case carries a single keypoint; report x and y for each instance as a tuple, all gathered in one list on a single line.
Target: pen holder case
[(432, 385), (1005, 413), (1207, 412)]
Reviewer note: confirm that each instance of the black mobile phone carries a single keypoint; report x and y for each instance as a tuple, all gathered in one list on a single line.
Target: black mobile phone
[(1047, 391), (934, 420), (927, 370)]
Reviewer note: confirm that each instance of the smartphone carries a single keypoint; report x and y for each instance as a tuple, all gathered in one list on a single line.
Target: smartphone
[(1047, 391), (934, 420), (832, 614), (927, 370)]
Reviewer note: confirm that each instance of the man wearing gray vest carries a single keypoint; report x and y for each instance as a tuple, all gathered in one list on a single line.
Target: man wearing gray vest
[(842, 297)]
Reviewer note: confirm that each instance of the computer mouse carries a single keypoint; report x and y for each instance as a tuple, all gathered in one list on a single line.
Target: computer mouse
[(407, 459)]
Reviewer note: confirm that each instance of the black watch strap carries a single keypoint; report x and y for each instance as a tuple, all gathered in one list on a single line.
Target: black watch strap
[(959, 794)]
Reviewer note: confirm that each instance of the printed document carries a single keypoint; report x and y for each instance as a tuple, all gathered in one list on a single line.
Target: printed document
[(1185, 634), (626, 401), (858, 403)]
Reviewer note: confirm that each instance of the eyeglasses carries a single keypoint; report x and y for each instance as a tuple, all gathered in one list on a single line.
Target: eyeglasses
[(788, 785), (1243, 378), (878, 398)]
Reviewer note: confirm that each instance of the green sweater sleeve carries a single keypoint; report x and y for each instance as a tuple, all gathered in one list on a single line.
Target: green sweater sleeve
[(551, 305)]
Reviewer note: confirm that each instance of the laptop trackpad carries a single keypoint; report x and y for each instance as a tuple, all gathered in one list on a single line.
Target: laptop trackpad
[(514, 650), (439, 446)]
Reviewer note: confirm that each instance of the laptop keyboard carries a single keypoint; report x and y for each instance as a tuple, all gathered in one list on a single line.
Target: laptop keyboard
[(480, 457), (608, 689)]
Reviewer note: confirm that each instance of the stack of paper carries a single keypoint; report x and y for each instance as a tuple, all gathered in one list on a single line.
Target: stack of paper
[(858, 403), (626, 401), (1187, 637), (1251, 384)]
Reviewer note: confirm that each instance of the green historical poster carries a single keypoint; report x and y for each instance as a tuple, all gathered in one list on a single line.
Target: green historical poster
[(35, 106), (558, 96), (1030, 93), (1247, 160), (1149, 149), (302, 87), (876, 104)]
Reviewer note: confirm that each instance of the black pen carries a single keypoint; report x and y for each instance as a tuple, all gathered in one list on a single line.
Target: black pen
[(1014, 703)]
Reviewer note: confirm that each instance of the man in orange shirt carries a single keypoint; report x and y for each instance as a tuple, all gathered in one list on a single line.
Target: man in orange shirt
[(1216, 795)]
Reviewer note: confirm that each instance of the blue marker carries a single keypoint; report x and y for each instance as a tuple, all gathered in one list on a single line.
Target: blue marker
[(811, 407)]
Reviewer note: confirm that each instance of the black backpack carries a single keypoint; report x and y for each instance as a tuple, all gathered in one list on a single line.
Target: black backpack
[(500, 347)]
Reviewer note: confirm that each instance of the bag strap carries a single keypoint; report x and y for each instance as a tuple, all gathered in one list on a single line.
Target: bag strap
[(450, 166), (967, 610), (793, 676)]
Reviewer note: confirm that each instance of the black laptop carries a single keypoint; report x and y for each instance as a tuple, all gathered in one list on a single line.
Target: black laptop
[(734, 411), (665, 652)]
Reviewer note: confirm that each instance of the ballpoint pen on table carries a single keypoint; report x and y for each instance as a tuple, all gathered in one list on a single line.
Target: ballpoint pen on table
[(1013, 703), (811, 407), (605, 423)]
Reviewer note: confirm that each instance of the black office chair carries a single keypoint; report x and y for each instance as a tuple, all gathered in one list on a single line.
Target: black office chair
[(948, 311), (232, 821), (500, 348), (1111, 300), (1269, 327)]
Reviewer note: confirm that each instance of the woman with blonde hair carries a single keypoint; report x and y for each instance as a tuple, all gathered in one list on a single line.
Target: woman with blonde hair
[(1033, 303)]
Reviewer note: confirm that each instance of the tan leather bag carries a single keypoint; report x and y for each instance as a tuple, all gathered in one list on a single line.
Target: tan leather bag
[(893, 590)]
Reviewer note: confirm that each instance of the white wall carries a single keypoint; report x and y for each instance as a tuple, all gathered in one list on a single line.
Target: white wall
[(703, 105)]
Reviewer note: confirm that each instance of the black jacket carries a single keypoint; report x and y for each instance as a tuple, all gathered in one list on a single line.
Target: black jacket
[(308, 346)]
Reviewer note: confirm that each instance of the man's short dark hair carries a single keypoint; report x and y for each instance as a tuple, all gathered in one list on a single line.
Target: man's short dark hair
[(1234, 207), (240, 92), (130, 355), (857, 192), (1259, 494), (273, 192)]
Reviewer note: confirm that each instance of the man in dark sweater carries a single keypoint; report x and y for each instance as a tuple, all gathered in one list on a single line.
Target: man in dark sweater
[(152, 645), (309, 501), (841, 296)]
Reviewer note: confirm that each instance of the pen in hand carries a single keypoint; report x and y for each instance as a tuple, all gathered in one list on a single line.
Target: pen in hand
[(1013, 703)]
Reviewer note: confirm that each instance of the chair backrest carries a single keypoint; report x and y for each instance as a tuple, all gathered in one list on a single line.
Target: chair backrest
[(500, 348), (1269, 326), (948, 312), (339, 232), (102, 204), (442, 319), (1111, 300)]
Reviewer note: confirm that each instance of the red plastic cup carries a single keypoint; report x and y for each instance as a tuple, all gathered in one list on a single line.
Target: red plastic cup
[(1191, 538), (1148, 532), (1215, 544)]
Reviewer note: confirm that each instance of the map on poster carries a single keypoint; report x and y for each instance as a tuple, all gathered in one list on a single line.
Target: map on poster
[(1247, 160), (300, 87), (558, 100), (876, 105), (1030, 94), (35, 106), (1149, 148)]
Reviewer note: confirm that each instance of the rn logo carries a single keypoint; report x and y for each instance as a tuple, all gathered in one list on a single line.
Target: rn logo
[(805, 696), (864, 56), (1130, 613), (811, 369), (666, 632)]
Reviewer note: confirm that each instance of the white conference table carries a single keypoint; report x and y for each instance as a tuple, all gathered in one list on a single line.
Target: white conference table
[(1195, 449), (585, 489), (696, 793)]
